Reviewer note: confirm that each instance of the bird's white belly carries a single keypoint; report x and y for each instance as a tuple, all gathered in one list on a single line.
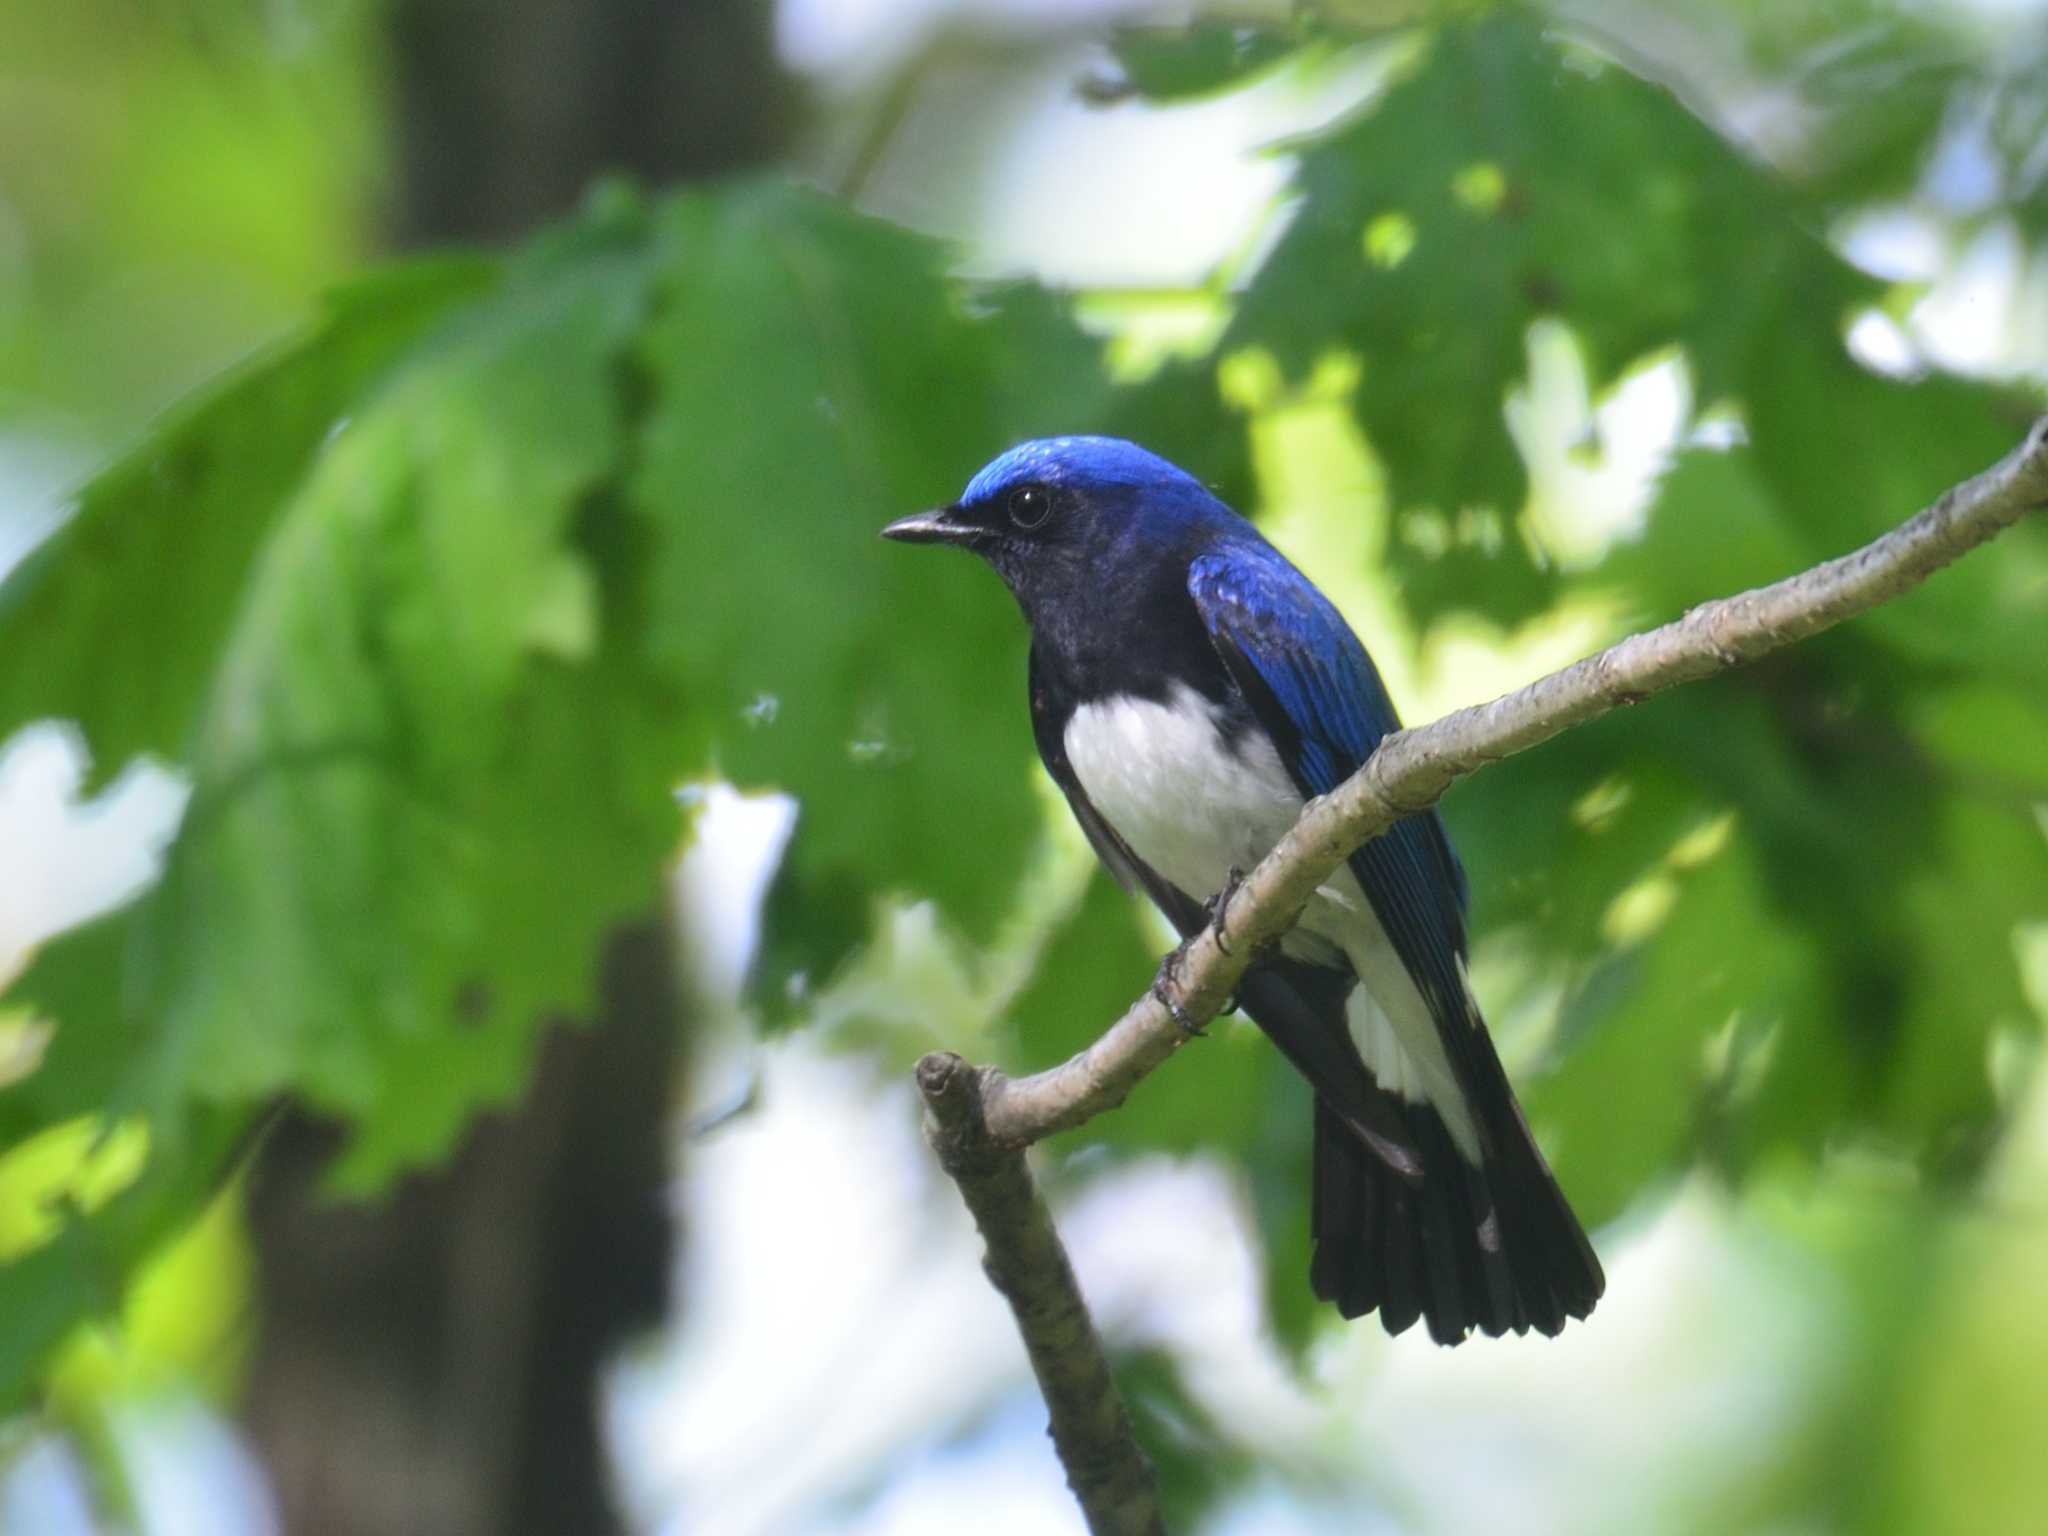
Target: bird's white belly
[(1192, 806), (1176, 792)]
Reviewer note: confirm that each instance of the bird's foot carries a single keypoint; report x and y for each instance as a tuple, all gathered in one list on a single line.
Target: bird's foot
[(1166, 984), (1218, 907)]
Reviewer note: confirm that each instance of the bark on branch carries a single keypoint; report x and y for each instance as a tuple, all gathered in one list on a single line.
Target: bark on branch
[(1027, 1263), (982, 1119)]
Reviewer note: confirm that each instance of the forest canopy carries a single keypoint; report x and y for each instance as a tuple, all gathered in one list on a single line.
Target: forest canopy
[(432, 603)]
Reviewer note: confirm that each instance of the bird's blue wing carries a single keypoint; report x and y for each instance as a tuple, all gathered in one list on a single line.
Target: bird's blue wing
[(1492, 1242), (1316, 693)]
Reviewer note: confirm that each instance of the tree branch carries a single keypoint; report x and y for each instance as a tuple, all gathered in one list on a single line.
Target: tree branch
[(1027, 1263), (998, 1116)]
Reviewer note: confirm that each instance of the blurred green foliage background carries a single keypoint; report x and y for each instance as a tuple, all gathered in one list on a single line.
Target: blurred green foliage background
[(1547, 321)]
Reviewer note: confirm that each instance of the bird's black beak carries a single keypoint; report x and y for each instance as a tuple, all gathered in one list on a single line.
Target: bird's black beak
[(938, 526)]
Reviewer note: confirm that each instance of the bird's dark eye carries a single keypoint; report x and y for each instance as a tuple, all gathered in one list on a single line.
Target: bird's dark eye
[(1029, 505)]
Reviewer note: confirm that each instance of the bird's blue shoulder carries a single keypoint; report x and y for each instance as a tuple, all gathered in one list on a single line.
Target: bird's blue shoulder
[(1265, 615), (1314, 690)]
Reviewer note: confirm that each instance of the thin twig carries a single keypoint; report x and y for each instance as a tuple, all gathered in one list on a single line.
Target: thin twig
[(890, 114)]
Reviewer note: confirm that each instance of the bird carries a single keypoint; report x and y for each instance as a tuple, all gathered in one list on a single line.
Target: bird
[(1190, 690)]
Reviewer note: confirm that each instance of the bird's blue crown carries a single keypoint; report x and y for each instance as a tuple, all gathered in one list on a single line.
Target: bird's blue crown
[(1081, 462)]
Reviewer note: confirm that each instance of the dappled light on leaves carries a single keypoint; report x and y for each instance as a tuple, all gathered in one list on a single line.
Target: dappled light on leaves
[(430, 608)]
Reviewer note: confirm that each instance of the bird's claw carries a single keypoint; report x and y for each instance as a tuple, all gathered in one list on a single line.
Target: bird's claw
[(1165, 984), (1218, 908)]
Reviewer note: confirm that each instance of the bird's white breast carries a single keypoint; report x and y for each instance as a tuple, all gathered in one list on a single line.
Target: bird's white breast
[(1186, 801), (1192, 805)]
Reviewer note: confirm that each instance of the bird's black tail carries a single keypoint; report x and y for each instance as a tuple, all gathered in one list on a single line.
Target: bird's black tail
[(1493, 1247)]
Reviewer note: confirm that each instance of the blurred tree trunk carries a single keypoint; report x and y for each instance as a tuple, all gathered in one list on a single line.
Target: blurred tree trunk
[(508, 108), (430, 1364)]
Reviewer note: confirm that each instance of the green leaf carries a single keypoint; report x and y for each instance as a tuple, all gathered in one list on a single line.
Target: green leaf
[(1639, 1089), (1504, 180), (1095, 965), (1966, 981), (126, 607), (431, 767), (1846, 454), (815, 378), (47, 1291), (428, 773), (1201, 59)]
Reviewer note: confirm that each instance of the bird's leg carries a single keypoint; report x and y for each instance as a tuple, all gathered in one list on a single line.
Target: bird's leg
[(1218, 907), (1167, 983)]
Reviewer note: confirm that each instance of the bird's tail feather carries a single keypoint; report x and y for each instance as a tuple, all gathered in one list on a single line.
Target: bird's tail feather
[(1493, 1247)]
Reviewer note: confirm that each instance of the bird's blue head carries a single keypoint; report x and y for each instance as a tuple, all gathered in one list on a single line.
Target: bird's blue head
[(1050, 512), (1079, 465)]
